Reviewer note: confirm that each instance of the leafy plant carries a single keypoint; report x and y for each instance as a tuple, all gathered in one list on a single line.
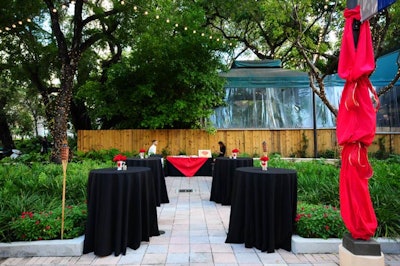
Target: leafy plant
[(319, 221), (47, 225)]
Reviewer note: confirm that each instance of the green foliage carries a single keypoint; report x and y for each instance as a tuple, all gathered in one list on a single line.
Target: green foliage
[(384, 190), (182, 152), (318, 183), (328, 154), (319, 221), (47, 225), (165, 152), (302, 153), (37, 187), (173, 83), (382, 153)]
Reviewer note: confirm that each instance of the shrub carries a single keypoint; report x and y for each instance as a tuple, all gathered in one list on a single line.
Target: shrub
[(319, 221), (47, 225)]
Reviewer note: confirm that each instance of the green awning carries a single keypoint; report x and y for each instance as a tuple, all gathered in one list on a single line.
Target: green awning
[(264, 74)]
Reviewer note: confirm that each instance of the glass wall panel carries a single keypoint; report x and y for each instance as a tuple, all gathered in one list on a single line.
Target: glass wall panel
[(272, 108), (285, 108), (388, 116)]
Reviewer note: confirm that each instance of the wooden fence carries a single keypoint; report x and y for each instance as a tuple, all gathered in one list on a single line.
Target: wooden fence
[(288, 143)]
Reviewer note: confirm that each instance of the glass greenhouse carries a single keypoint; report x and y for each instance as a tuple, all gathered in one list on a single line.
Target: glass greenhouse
[(261, 94)]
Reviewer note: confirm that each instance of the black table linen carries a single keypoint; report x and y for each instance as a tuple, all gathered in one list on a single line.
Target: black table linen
[(122, 210), (154, 163), (223, 174), (263, 208)]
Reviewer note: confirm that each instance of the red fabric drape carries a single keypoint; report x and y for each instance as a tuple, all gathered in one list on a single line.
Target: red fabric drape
[(187, 165), (356, 124)]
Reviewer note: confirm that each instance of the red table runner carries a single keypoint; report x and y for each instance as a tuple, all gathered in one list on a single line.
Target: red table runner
[(188, 166)]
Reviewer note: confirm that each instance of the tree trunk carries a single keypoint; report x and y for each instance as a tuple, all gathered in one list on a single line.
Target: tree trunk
[(61, 113), (5, 133)]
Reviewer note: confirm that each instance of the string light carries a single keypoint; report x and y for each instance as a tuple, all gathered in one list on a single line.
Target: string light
[(65, 5)]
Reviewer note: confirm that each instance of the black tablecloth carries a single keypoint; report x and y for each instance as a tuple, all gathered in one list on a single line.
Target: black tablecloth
[(263, 208), (205, 170), (154, 163), (122, 210), (224, 170)]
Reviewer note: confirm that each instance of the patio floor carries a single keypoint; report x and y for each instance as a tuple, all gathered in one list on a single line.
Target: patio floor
[(195, 232)]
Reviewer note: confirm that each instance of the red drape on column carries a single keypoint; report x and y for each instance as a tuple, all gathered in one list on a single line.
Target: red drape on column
[(356, 125)]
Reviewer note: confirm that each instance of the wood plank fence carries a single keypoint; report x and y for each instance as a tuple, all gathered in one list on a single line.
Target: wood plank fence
[(288, 143)]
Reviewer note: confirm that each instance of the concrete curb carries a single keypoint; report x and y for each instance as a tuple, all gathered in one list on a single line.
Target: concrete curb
[(74, 247), (43, 248), (331, 245)]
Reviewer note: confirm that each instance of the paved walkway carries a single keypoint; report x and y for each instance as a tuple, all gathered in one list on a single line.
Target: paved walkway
[(195, 232)]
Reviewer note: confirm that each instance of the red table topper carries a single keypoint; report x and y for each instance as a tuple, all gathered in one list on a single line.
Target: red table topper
[(187, 165)]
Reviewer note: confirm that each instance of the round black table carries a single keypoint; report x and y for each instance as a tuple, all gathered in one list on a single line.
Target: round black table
[(263, 208), (154, 163), (224, 170), (122, 210)]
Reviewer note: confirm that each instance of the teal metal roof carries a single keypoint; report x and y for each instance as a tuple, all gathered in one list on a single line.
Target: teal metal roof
[(386, 69), (264, 74)]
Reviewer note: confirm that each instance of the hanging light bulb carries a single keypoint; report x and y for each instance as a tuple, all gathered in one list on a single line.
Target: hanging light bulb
[(185, 28), (157, 17), (135, 8), (122, 2), (167, 20), (28, 20), (176, 25), (194, 31), (54, 10), (20, 22)]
